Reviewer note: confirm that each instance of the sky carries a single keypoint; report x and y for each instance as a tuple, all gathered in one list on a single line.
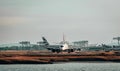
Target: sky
[(97, 21)]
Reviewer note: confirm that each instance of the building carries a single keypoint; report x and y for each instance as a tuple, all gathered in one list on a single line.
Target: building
[(83, 43)]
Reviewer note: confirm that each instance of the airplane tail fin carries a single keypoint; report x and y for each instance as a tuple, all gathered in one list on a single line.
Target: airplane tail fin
[(45, 41)]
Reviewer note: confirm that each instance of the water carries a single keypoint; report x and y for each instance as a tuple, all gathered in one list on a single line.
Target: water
[(63, 67)]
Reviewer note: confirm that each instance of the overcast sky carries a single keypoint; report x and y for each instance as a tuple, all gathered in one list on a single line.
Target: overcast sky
[(97, 21)]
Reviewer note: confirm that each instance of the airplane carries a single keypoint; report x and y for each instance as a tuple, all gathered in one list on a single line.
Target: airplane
[(57, 48)]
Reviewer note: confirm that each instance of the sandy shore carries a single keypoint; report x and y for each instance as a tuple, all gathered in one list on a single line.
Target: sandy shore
[(37, 57)]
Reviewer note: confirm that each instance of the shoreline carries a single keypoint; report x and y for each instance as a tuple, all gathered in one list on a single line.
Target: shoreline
[(52, 58)]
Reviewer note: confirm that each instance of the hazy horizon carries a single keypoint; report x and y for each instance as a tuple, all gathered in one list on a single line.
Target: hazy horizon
[(97, 21)]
